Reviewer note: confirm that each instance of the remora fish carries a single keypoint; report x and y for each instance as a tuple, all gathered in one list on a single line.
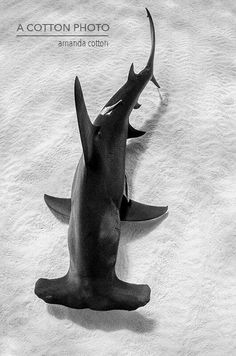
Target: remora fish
[(98, 204)]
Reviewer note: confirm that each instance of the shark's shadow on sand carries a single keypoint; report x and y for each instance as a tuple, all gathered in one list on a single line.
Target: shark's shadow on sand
[(111, 320), (137, 148), (120, 319)]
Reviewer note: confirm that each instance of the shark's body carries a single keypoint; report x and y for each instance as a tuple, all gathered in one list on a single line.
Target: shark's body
[(98, 204)]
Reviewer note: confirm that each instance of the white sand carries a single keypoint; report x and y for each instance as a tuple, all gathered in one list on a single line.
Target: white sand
[(186, 160)]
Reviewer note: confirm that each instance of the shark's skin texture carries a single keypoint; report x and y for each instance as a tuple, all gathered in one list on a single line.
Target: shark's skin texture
[(95, 207)]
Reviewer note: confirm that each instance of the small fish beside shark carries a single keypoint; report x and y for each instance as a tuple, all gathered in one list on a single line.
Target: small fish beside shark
[(99, 201)]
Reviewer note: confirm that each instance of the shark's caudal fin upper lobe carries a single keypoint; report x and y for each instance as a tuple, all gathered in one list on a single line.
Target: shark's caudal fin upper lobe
[(130, 210), (150, 62)]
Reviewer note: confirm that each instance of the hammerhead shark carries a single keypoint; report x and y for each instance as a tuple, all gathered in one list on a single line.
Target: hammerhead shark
[(99, 201)]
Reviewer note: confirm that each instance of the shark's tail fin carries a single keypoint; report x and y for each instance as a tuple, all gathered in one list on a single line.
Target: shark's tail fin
[(153, 41), (150, 62)]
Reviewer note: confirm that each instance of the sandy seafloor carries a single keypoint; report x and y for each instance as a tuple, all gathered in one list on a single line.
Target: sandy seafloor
[(186, 161)]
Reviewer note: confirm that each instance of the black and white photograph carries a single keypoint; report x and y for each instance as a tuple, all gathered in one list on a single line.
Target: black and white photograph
[(118, 178)]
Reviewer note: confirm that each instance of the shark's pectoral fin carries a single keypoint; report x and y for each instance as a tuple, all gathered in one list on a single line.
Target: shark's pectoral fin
[(131, 210), (59, 206), (132, 132)]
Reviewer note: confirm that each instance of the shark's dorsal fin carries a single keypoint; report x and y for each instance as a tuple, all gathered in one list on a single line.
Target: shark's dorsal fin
[(131, 74), (87, 129), (126, 188)]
